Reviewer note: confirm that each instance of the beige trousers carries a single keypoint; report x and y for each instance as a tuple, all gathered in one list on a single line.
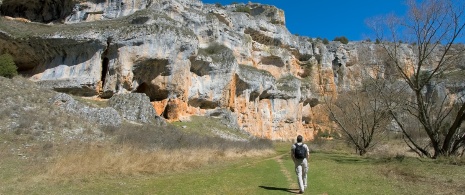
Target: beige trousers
[(301, 169)]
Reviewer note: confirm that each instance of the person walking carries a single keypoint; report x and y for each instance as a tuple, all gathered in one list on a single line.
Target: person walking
[(300, 154)]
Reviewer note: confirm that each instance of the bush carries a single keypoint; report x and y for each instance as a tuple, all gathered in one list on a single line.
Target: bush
[(7, 66), (325, 41), (244, 9), (342, 39)]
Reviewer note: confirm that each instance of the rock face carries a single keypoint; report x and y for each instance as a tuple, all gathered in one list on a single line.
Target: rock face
[(102, 9), (191, 58), (37, 11)]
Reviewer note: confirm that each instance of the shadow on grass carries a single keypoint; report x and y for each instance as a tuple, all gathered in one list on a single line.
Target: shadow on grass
[(346, 158), (355, 159), (295, 191)]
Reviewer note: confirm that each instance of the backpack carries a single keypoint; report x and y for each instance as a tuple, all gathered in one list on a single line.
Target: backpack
[(300, 152)]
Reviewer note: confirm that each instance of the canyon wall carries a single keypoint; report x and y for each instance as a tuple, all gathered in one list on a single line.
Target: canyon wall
[(192, 58)]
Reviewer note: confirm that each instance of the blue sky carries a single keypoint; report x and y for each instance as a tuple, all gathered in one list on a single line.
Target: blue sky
[(330, 18)]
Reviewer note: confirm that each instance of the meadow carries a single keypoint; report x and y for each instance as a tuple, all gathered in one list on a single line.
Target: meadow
[(99, 171)]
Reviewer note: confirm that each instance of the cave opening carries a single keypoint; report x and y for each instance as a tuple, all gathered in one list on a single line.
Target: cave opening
[(105, 63), (152, 91), (142, 88)]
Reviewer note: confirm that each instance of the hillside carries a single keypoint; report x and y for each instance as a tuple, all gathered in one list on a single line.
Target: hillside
[(38, 128)]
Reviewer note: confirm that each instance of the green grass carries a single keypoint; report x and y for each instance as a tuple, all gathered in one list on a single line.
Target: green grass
[(343, 174), (239, 178), (329, 173), (347, 174)]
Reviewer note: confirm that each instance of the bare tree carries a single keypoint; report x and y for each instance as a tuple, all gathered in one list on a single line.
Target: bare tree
[(432, 27), (361, 115)]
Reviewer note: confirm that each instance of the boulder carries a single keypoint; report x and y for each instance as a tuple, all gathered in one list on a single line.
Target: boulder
[(135, 107), (103, 116)]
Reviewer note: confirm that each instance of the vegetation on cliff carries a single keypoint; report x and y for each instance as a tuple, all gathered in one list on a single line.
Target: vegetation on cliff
[(7, 66)]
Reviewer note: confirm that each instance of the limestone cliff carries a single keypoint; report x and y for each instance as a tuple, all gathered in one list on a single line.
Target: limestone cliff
[(192, 58)]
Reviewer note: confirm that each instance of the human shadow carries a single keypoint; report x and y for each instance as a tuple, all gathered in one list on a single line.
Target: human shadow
[(294, 191)]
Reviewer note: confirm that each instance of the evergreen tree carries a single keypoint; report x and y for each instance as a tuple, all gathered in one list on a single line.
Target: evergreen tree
[(7, 66)]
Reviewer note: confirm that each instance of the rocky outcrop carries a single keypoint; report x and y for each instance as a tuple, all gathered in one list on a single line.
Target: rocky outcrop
[(103, 10), (103, 116), (191, 58), (135, 107)]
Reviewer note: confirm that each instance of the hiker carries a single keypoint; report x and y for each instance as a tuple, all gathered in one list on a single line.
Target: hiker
[(300, 154)]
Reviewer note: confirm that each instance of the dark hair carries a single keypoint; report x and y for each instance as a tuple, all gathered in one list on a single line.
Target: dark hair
[(299, 138)]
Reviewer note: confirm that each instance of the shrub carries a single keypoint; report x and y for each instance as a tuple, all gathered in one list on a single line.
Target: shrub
[(325, 41), (7, 66), (342, 39), (244, 9)]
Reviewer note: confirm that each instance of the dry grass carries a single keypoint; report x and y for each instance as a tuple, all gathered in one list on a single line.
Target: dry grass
[(392, 147), (144, 149), (97, 160)]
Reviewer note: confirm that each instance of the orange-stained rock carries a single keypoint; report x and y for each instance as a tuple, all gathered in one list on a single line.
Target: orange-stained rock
[(175, 108), (160, 106)]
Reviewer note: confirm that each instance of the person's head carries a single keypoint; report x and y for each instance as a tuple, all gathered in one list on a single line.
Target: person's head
[(299, 138)]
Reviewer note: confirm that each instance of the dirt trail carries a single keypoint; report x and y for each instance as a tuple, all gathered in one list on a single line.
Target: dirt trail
[(290, 177), (286, 173)]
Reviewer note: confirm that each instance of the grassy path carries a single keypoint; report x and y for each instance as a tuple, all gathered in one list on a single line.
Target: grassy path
[(329, 173), (285, 171)]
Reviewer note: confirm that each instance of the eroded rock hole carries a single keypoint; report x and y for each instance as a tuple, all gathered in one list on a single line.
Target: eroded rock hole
[(148, 69), (105, 63), (152, 91), (306, 120), (273, 60), (202, 103)]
